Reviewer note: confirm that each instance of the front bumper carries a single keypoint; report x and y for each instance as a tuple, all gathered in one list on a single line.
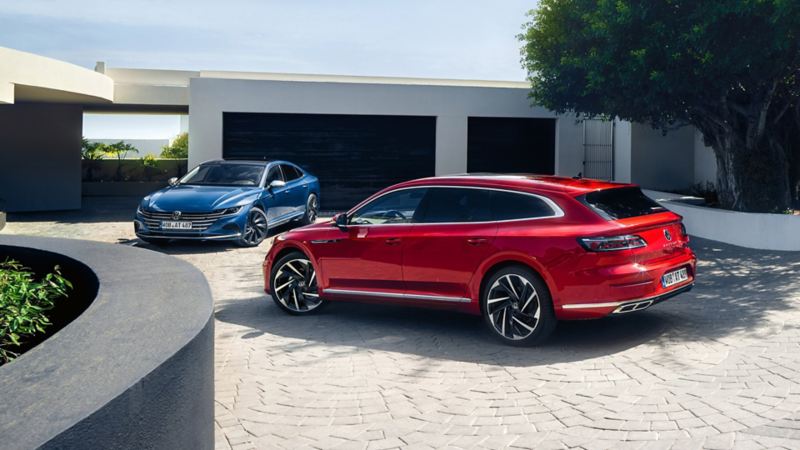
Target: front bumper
[(226, 228)]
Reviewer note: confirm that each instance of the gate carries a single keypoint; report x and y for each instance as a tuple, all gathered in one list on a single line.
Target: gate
[(598, 149)]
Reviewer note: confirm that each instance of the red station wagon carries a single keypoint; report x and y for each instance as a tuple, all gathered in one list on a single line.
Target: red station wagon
[(523, 251)]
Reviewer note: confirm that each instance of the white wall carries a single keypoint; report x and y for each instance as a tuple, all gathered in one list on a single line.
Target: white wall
[(662, 162), (751, 230), (622, 151), (705, 164), (452, 105)]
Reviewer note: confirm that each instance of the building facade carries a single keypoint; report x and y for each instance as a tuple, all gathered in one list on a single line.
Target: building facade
[(358, 134)]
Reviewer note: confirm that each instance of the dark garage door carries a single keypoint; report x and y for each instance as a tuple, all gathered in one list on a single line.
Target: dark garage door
[(352, 155), (511, 145)]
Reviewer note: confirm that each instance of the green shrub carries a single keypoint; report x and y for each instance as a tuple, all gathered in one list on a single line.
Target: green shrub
[(24, 302), (178, 149)]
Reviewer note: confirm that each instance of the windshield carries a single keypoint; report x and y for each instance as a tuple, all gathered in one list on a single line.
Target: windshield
[(224, 175)]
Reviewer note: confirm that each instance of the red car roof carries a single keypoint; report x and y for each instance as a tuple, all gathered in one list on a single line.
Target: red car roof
[(525, 182)]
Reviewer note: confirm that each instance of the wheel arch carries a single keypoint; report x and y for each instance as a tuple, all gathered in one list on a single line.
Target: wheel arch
[(500, 262), (283, 251)]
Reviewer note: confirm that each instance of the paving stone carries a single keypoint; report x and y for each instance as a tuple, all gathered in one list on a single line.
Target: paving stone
[(718, 367)]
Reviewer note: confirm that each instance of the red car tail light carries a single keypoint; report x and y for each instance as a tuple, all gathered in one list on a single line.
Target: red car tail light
[(613, 243)]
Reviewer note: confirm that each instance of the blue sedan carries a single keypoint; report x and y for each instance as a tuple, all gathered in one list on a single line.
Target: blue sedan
[(229, 200)]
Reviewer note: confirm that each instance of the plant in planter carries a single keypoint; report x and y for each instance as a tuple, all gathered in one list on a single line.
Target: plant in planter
[(150, 164), (119, 150), (91, 152), (24, 302)]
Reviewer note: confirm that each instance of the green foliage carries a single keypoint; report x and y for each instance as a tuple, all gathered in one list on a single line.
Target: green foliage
[(91, 150), (149, 161), (731, 68), (119, 149), (178, 149), (663, 62), (24, 302)]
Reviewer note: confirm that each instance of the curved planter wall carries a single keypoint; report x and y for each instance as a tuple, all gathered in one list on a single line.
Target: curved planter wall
[(751, 230), (134, 370)]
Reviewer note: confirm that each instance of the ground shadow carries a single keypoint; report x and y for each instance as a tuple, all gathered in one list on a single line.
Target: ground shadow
[(736, 289), (93, 210)]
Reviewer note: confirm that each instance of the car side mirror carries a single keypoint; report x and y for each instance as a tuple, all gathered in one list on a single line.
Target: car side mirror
[(341, 221), (172, 181), (277, 184)]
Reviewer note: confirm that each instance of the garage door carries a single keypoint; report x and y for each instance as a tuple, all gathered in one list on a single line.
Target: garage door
[(511, 145), (352, 155)]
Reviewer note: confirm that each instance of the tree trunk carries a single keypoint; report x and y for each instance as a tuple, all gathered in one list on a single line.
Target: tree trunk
[(752, 179)]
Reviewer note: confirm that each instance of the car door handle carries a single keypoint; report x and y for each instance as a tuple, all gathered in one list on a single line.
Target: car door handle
[(476, 241), (393, 241)]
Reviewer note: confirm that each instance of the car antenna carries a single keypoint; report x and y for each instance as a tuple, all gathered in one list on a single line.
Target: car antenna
[(578, 176)]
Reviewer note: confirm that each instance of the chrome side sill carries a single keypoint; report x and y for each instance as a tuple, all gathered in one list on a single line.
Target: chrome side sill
[(632, 305), (435, 298)]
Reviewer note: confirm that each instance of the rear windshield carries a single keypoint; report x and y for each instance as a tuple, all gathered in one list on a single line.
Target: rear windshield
[(621, 203)]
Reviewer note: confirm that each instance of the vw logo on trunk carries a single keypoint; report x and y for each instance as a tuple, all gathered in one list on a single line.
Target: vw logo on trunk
[(667, 235), (176, 215)]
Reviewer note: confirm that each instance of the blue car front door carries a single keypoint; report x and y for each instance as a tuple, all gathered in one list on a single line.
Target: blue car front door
[(296, 188), (276, 199)]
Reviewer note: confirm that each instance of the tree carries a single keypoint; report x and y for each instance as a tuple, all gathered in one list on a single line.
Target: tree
[(91, 150), (119, 150), (178, 149), (731, 68)]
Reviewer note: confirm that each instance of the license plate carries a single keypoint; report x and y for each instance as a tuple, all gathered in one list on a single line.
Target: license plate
[(177, 225), (674, 277)]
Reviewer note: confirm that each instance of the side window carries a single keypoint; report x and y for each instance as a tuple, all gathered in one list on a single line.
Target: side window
[(510, 206), (274, 174), (455, 205), (394, 207), (290, 172)]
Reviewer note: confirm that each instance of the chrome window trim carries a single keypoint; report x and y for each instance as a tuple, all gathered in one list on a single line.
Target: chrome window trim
[(367, 293), (557, 211)]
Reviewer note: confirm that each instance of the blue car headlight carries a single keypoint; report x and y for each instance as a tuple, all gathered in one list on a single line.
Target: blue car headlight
[(230, 211)]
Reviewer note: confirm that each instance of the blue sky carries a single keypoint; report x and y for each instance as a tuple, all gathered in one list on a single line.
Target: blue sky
[(413, 38)]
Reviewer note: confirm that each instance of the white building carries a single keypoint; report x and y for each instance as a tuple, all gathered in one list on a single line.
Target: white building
[(358, 134)]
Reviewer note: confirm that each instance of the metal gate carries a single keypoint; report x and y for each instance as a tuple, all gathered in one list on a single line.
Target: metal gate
[(598, 149)]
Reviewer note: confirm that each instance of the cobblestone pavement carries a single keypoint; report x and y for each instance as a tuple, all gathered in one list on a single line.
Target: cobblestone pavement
[(715, 368)]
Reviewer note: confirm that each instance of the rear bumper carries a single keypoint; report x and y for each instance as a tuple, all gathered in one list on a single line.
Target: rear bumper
[(628, 306), (620, 286)]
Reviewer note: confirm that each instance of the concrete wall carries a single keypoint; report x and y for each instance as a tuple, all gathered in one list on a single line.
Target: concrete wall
[(134, 370), (751, 230), (659, 161), (452, 105), (622, 151), (28, 77), (40, 156), (705, 164)]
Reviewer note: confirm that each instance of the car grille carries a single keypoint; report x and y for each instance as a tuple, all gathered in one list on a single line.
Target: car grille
[(200, 221)]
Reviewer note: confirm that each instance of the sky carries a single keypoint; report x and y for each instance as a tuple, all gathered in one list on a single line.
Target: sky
[(467, 39)]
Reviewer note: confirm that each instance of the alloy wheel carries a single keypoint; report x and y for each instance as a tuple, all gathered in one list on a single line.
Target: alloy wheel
[(312, 209), (513, 307), (295, 286), (256, 228)]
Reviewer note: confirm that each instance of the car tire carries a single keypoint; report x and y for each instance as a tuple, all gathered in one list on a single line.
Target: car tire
[(256, 228), (517, 307), (294, 285), (312, 210)]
